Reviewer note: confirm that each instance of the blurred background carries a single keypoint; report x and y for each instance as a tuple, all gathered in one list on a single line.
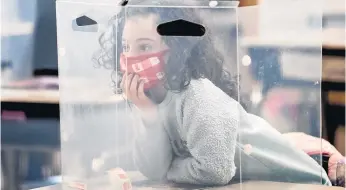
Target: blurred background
[(273, 89)]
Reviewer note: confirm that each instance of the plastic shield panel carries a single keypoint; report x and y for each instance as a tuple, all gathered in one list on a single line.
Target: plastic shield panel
[(149, 94), (285, 61), (150, 98)]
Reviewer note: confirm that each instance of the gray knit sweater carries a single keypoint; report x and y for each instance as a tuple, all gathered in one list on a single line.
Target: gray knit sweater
[(194, 138)]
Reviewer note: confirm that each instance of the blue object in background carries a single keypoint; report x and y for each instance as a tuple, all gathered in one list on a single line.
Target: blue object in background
[(45, 46)]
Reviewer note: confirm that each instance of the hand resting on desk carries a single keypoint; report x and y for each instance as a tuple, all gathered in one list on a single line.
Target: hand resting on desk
[(313, 145)]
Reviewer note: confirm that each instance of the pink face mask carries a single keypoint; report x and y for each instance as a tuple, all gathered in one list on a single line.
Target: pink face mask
[(149, 67)]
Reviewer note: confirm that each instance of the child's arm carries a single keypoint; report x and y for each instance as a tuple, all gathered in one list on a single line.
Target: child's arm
[(211, 129), (153, 152)]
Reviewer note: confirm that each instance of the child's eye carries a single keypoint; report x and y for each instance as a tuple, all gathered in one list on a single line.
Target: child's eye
[(145, 47), (126, 48)]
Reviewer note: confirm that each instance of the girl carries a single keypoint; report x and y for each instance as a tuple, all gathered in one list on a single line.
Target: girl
[(186, 100)]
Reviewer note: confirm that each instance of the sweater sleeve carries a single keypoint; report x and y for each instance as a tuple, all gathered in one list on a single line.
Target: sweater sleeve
[(153, 152), (210, 122)]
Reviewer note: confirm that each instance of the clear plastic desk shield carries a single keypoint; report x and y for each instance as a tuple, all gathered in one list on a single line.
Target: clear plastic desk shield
[(150, 98), (285, 60)]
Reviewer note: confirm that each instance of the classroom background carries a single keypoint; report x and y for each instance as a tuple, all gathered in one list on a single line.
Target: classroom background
[(30, 125)]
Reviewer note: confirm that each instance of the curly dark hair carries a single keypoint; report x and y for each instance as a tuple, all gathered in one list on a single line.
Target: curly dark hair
[(190, 57)]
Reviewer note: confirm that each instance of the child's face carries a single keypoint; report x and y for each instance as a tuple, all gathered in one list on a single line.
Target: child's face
[(144, 51), (140, 36)]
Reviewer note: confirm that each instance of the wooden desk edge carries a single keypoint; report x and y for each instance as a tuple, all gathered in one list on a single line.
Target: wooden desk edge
[(52, 97), (47, 100)]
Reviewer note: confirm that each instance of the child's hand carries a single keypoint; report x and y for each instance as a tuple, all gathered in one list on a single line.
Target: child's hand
[(133, 88)]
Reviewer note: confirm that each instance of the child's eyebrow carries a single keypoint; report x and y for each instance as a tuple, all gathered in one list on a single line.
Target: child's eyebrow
[(138, 40), (144, 39)]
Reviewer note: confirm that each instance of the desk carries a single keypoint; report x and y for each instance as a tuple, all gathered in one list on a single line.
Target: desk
[(139, 182), (243, 186), (17, 29), (279, 186), (30, 96), (38, 115), (50, 97), (39, 107)]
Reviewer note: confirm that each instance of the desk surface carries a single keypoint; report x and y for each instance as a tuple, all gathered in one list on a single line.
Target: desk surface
[(50, 97), (279, 186), (27, 96), (45, 90), (243, 186), (139, 182), (17, 29)]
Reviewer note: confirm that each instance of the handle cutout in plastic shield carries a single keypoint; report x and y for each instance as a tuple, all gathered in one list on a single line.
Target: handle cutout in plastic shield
[(180, 28), (84, 24)]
